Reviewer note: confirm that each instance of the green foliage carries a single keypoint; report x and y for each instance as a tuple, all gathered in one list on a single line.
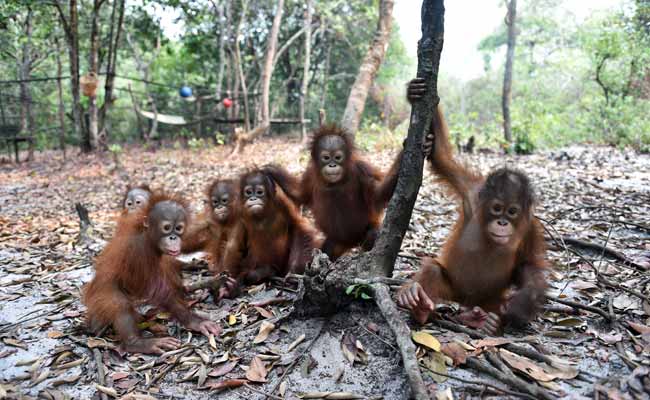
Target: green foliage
[(375, 136), (220, 138), (358, 292), (115, 148), (197, 144)]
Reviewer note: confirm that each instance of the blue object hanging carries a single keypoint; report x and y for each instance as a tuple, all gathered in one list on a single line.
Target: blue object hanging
[(185, 91)]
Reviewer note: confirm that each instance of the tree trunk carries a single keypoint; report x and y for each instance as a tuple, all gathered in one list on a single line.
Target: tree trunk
[(305, 74), (93, 67), (326, 70), (368, 69), (59, 90), (263, 115), (143, 67), (27, 123), (400, 207), (507, 75), (220, 45), (113, 44), (73, 50), (263, 120), (70, 25), (324, 284), (240, 68), (136, 108)]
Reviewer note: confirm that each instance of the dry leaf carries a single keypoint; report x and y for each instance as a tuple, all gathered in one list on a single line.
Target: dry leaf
[(136, 396), (256, 371), (425, 339), (456, 352), (525, 365), (642, 329), (490, 342), (435, 362), (106, 390), (223, 369), (540, 372), (54, 334), (625, 302), (296, 342), (444, 394), (223, 358), (14, 343), (65, 380), (203, 375), (228, 383), (264, 312), (232, 319), (265, 330), (98, 342), (116, 376), (353, 349)]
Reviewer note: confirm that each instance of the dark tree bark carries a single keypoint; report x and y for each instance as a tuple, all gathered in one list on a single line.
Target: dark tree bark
[(400, 207), (507, 75), (111, 67), (59, 91), (263, 115), (27, 123), (93, 67), (324, 283), (326, 67), (240, 67), (220, 15), (263, 119), (71, 27), (305, 69), (368, 69)]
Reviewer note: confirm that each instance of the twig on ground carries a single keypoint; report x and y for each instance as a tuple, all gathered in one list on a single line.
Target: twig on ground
[(165, 370), (101, 371), (299, 356), (482, 383), (608, 251), (521, 350), (619, 346), (581, 306), (256, 324), (375, 335), (509, 379), (252, 389), (403, 339)]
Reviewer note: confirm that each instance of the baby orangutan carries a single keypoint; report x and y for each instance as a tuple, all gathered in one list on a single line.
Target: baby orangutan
[(138, 265), (496, 245)]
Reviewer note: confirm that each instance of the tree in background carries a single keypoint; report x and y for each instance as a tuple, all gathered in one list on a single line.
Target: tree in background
[(368, 69), (506, 95)]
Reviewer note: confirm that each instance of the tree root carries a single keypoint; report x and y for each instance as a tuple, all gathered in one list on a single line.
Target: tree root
[(403, 339)]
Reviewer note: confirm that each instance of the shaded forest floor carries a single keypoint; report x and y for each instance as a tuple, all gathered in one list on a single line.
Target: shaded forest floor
[(598, 195)]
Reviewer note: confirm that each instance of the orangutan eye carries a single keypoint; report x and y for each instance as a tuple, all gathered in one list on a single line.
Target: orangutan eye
[(179, 229), (248, 191), (513, 211), (167, 227), (497, 208)]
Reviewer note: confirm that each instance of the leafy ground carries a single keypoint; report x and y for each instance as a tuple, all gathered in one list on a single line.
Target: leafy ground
[(598, 195)]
